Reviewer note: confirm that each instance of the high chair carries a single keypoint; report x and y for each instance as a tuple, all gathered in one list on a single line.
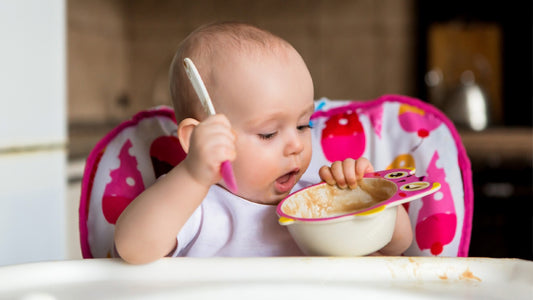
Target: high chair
[(392, 132)]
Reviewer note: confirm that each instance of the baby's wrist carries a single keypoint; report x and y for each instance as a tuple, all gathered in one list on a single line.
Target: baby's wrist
[(184, 173)]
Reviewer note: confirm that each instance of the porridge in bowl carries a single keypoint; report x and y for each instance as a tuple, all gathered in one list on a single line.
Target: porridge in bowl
[(324, 200)]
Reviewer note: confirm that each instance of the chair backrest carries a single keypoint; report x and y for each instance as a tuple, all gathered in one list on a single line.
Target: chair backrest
[(121, 165), (401, 132), (392, 131)]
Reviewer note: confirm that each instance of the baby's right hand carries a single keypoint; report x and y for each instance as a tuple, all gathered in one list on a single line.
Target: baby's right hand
[(212, 142), (346, 173)]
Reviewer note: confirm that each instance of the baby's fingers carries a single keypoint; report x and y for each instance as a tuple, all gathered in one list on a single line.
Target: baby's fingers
[(339, 174), (325, 175), (333, 175), (363, 166), (348, 167), (346, 173)]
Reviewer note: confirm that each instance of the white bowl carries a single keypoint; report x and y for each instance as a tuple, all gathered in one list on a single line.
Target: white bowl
[(327, 220)]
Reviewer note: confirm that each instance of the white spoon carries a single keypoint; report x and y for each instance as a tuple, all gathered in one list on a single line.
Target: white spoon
[(199, 87)]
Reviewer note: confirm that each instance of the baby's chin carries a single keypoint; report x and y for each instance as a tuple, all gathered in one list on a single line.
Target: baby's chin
[(269, 196), (271, 199)]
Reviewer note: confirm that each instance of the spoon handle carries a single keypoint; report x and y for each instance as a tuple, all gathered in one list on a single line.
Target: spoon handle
[(199, 87)]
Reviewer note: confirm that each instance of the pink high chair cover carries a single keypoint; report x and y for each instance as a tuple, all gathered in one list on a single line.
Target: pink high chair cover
[(392, 132)]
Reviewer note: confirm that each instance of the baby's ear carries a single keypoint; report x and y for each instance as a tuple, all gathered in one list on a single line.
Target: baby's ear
[(185, 129)]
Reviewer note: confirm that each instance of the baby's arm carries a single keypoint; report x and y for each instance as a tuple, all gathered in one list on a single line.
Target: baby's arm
[(345, 174), (147, 229), (402, 236)]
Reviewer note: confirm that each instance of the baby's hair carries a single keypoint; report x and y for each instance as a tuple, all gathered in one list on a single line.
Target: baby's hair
[(204, 46)]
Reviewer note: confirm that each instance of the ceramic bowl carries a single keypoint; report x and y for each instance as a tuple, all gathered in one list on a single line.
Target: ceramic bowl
[(327, 220)]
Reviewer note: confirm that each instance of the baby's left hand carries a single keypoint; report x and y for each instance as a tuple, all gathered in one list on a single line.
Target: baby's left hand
[(346, 173)]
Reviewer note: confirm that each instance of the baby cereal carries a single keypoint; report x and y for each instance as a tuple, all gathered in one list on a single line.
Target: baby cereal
[(323, 201)]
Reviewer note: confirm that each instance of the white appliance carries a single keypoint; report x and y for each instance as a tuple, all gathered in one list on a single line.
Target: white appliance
[(32, 131)]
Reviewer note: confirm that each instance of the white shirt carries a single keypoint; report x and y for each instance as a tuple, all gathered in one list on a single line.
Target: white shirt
[(227, 225)]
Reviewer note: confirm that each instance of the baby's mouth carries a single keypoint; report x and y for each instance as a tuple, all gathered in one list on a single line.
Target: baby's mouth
[(286, 182)]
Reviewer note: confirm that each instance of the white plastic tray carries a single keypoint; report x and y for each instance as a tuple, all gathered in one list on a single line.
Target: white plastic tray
[(272, 278)]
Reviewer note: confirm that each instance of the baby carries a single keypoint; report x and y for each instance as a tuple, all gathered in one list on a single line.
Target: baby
[(263, 94)]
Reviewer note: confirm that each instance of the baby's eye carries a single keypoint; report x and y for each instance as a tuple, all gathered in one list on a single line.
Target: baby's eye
[(267, 136), (304, 127)]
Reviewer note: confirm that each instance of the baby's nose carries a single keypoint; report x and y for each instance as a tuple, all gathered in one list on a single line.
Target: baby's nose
[(294, 146)]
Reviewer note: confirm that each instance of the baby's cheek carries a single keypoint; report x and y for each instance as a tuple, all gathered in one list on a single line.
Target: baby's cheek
[(255, 172), (307, 153)]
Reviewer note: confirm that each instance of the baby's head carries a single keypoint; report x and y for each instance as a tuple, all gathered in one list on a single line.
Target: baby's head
[(211, 47), (262, 85)]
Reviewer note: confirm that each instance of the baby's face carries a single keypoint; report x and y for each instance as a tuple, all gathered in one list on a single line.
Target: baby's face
[(269, 101)]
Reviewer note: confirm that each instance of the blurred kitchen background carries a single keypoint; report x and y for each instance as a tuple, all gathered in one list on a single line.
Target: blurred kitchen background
[(77, 68)]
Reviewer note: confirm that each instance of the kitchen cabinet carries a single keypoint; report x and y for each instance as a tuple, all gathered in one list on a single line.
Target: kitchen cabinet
[(502, 169)]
